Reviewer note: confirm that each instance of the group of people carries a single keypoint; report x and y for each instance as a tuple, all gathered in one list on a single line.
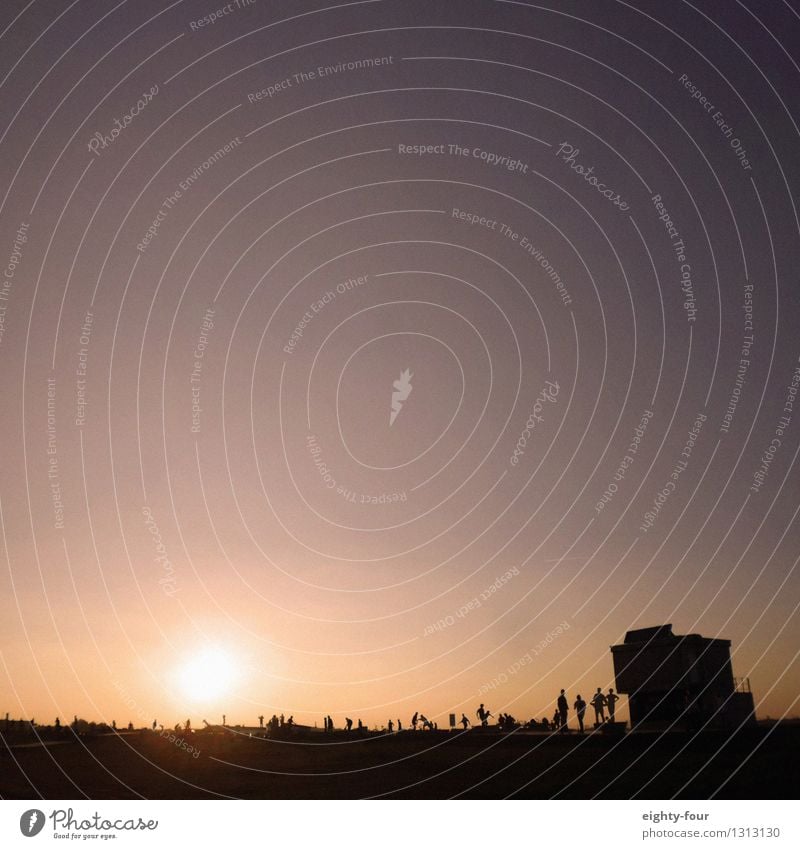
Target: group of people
[(505, 721), (599, 702)]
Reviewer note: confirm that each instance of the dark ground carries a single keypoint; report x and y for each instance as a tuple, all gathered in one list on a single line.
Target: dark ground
[(410, 765)]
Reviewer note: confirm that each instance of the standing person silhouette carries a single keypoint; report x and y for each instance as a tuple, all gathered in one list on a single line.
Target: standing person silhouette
[(599, 703), (414, 720), (580, 708), (399, 725), (464, 721), (563, 710), (349, 723), (261, 721), (390, 726), (611, 700)]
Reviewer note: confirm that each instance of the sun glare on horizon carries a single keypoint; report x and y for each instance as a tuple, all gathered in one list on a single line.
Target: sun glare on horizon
[(209, 674)]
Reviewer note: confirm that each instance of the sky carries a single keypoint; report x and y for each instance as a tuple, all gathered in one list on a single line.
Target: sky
[(378, 357)]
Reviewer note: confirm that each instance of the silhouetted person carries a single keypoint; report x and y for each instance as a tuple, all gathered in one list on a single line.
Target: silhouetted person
[(563, 710), (188, 725), (599, 704), (611, 700), (483, 715), (555, 722), (290, 721), (464, 721), (348, 723), (330, 723), (261, 721), (283, 722), (414, 720), (114, 724), (580, 708), (155, 723), (545, 723), (57, 723), (390, 726), (224, 720), (130, 726), (399, 725)]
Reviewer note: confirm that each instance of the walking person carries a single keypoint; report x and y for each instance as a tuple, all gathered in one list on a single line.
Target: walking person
[(580, 709)]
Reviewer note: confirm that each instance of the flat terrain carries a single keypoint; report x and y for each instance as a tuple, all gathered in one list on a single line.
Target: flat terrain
[(760, 762)]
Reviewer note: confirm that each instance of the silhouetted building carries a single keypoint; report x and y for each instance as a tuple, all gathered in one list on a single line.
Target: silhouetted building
[(688, 678)]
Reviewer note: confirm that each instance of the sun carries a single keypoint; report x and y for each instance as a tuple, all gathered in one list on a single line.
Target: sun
[(209, 674)]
